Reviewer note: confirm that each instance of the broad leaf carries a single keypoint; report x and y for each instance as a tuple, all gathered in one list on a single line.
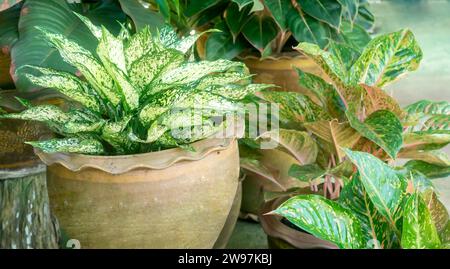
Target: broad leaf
[(428, 140), (419, 231), (385, 58), (328, 11), (375, 228), (338, 135), (222, 45), (435, 157), (141, 16), (279, 10), (428, 169), (324, 219), (382, 127), (260, 31), (304, 28), (307, 172), (438, 211), (298, 144), (382, 184)]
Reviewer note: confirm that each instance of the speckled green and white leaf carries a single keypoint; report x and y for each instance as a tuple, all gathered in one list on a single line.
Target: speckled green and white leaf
[(296, 143), (67, 84), (195, 133), (111, 52), (430, 170), (435, 157), (114, 133), (437, 209), (193, 71), (151, 65), (45, 113), (70, 145), (376, 230), (381, 127), (419, 231), (236, 92), (170, 39), (140, 44), (294, 108), (95, 30), (323, 91), (382, 184), (86, 63), (385, 58), (224, 78), (80, 123), (338, 135), (328, 62), (306, 172), (324, 219)]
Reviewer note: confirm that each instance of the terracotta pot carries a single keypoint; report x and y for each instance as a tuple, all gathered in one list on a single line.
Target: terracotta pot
[(282, 236), (255, 186), (280, 71), (25, 219), (166, 199)]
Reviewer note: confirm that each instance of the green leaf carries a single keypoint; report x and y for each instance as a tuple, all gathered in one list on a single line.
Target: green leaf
[(57, 17), (236, 19), (296, 143), (435, 157), (385, 58), (304, 28), (324, 92), (67, 84), (350, 9), (328, 11), (221, 45), (307, 172), (260, 31), (70, 145), (428, 140), (375, 228), (196, 7), (337, 135), (44, 113), (437, 209), (141, 16), (428, 169), (382, 184), (9, 34), (324, 219), (419, 231), (294, 108), (111, 52), (429, 107), (279, 10), (382, 127)]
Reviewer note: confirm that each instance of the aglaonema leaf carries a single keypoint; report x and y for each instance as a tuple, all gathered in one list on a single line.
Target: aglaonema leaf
[(382, 127), (70, 145), (307, 172), (324, 219), (385, 58), (419, 231), (376, 230), (382, 184), (428, 169)]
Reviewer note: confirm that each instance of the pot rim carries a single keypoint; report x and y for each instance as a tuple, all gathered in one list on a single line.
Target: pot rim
[(119, 164), (293, 55), (273, 227)]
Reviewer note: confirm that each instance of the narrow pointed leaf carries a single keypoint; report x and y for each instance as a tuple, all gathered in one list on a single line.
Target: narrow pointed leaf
[(70, 145)]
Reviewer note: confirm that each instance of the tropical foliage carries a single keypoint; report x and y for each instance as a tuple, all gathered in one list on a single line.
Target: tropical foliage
[(346, 131), (273, 26), (139, 93), (20, 40)]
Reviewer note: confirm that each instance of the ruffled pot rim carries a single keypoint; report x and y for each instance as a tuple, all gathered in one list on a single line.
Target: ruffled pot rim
[(158, 160)]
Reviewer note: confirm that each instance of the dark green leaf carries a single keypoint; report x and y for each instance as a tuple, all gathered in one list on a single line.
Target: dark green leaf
[(428, 169), (260, 31), (307, 172), (328, 11)]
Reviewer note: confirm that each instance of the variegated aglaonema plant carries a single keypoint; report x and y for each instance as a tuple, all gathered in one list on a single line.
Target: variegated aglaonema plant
[(347, 133), (135, 90)]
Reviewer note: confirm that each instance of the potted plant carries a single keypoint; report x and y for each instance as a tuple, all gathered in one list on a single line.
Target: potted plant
[(135, 164), (353, 112), (262, 33), (25, 218)]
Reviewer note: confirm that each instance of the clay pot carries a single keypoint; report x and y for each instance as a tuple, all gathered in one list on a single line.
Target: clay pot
[(25, 219), (166, 199), (279, 70), (281, 236)]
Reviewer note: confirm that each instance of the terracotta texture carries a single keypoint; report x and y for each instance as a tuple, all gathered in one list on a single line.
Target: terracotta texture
[(167, 199)]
